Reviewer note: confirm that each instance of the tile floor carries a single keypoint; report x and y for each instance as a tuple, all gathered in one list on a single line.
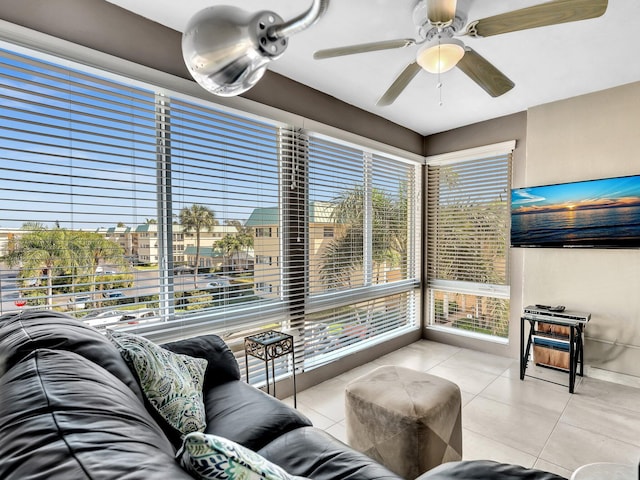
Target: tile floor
[(532, 422)]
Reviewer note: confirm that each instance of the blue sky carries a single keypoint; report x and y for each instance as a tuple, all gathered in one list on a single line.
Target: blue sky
[(82, 151), (605, 192)]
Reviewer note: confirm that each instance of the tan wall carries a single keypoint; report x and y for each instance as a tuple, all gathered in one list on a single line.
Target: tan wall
[(583, 138)]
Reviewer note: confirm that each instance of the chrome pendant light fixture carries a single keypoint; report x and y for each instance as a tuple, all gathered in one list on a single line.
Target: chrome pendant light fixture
[(227, 49)]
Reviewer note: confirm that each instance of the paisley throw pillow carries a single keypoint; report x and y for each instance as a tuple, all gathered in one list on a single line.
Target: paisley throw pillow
[(212, 457), (171, 382)]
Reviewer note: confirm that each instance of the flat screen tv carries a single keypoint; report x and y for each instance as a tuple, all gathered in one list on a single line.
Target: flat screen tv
[(596, 213)]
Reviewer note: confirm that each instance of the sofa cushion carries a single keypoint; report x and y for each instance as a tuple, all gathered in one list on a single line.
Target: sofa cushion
[(22, 333), (310, 452), (62, 417), (171, 382), (211, 457), (222, 365), (486, 469), (248, 416)]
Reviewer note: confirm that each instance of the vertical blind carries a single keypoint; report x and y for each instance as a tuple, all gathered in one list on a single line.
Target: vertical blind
[(467, 254)]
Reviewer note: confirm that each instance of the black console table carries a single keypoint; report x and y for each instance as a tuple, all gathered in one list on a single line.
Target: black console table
[(268, 346), (574, 321)]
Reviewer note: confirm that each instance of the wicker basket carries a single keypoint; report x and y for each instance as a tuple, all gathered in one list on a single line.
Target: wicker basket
[(551, 357)]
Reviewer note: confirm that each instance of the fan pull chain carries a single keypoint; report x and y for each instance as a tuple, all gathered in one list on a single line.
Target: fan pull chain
[(439, 84)]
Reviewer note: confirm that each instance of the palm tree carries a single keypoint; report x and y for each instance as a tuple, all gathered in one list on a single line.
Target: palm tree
[(94, 248), (229, 245), (244, 236), (42, 250), (246, 240), (62, 251), (197, 218), (388, 237)]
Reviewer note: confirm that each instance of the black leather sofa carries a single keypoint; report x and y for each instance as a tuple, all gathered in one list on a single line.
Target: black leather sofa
[(70, 408)]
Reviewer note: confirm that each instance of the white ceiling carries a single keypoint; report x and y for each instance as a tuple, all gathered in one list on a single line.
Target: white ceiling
[(546, 64)]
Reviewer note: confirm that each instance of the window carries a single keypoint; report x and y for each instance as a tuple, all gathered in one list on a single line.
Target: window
[(198, 218), (328, 232), (467, 236), (82, 155), (263, 260), (369, 207), (77, 176)]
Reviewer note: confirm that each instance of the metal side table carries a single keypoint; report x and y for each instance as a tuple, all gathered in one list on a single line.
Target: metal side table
[(268, 346)]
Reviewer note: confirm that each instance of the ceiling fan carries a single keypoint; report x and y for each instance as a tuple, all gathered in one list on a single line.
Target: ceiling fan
[(439, 23)]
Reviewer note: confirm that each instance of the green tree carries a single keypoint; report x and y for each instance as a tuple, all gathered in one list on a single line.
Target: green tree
[(229, 245), (244, 236), (95, 248), (60, 251), (197, 218), (39, 251), (345, 253)]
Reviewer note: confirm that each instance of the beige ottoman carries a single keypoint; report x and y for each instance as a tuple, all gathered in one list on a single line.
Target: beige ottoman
[(407, 420)]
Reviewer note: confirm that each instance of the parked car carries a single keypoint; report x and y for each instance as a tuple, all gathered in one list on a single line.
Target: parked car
[(134, 317), (107, 317), (114, 294), (79, 302)]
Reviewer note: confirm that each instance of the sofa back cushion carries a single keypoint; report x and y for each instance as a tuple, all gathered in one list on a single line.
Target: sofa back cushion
[(248, 416), (313, 453), (62, 417), (222, 366), (22, 333)]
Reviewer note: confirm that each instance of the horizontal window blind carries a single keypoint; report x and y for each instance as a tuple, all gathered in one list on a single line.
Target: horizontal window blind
[(468, 222), (363, 224), (130, 207), (77, 176), (467, 253), (85, 203), (395, 224), (337, 199), (225, 196), (335, 332)]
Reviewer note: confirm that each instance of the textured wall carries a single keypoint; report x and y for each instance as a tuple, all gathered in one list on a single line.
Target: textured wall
[(584, 138)]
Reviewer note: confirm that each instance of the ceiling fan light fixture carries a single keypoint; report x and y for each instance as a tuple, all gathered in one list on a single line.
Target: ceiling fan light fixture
[(441, 55)]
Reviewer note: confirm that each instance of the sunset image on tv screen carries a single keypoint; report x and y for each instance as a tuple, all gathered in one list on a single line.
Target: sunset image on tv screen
[(596, 213)]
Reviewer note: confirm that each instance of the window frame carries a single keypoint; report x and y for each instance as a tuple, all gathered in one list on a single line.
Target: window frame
[(26, 41), (478, 289)]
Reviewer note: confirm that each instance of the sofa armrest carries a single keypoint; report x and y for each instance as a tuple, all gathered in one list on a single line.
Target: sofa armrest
[(222, 365), (485, 470)]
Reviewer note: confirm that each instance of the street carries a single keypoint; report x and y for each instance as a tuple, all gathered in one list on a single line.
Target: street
[(145, 283)]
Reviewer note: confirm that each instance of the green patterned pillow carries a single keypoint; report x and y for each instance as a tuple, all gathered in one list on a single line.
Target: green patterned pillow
[(212, 457), (171, 382)]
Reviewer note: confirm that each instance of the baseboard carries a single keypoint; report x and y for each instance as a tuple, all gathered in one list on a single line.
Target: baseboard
[(609, 376)]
